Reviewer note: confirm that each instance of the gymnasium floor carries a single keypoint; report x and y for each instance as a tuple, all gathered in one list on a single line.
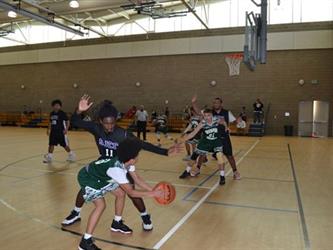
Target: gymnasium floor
[(284, 200)]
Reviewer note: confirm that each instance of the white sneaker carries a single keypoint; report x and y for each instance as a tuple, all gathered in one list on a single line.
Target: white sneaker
[(71, 157), (237, 175), (47, 158)]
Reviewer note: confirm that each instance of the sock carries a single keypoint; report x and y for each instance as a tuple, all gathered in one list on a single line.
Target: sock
[(77, 209), (87, 236), (144, 213), (49, 155), (117, 218), (71, 153), (188, 169), (222, 172)]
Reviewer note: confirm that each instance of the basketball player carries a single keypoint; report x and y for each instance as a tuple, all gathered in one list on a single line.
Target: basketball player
[(108, 136), (161, 126), (210, 142), (110, 175), (221, 113), (191, 144), (57, 132)]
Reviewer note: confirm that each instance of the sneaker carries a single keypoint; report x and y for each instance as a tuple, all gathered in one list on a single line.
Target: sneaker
[(72, 218), (195, 171), (222, 180), (184, 175), (119, 226), (88, 244), (71, 157), (237, 175), (47, 158), (147, 225)]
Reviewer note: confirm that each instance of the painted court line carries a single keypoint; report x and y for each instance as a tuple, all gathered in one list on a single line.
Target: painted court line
[(169, 234), (307, 243), (189, 194), (23, 214), (182, 185), (249, 206)]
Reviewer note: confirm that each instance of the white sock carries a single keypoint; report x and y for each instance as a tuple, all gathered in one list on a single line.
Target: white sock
[(188, 169), (77, 209), (87, 236), (222, 172), (49, 155), (144, 213), (71, 153), (117, 218)]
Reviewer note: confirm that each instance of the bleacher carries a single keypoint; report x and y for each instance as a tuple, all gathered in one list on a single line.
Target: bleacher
[(176, 124), (24, 120)]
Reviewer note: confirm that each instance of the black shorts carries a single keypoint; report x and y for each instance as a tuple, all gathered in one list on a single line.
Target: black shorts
[(58, 139), (227, 147)]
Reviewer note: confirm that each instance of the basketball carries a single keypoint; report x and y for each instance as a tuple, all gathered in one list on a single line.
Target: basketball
[(170, 193)]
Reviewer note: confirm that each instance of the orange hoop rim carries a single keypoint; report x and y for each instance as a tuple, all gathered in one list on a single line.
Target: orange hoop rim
[(235, 56)]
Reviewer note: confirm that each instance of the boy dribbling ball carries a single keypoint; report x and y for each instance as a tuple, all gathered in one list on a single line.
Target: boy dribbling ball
[(110, 175)]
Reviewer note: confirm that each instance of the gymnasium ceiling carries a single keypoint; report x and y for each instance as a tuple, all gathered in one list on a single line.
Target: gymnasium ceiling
[(90, 12)]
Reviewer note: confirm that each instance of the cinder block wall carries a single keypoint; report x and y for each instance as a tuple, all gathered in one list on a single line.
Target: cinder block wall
[(176, 79)]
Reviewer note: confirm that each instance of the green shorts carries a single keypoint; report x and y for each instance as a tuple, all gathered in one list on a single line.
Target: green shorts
[(93, 188), (206, 146)]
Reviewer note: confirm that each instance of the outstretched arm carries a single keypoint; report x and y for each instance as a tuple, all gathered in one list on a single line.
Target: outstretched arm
[(76, 119), (140, 182), (195, 105), (193, 133)]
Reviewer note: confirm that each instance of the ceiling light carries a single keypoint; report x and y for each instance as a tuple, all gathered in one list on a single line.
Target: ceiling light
[(12, 14), (74, 4)]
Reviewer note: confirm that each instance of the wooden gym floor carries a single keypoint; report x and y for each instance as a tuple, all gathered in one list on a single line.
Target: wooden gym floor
[(284, 200)]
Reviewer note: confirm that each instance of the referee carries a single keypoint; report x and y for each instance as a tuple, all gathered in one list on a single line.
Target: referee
[(141, 118)]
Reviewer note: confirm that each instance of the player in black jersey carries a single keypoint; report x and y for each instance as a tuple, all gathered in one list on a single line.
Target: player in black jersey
[(107, 137), (57, 132)]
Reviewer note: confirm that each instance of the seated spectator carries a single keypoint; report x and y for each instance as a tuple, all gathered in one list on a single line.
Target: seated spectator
[(131, 112), (258, 110)]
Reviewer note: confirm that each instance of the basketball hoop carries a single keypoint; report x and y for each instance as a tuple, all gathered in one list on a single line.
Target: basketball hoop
[(234, 61)]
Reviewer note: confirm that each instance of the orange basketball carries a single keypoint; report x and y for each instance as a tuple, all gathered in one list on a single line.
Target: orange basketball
[(170, 193)]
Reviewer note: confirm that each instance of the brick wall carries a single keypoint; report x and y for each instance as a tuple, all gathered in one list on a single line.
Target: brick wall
[(175, 78)]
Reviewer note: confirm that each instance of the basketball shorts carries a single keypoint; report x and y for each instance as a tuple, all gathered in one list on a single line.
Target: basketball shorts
[(227, 147), (58, 138), (93, 188), (207, 146)]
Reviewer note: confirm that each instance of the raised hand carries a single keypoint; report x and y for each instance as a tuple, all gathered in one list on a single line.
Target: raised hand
[(84, 104), (194, 98)]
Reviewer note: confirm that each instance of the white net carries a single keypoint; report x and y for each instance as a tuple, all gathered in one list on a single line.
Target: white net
[(234, 61)]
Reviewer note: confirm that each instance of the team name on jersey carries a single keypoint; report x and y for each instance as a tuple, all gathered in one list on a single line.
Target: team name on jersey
[(211, 130), (108, 144)]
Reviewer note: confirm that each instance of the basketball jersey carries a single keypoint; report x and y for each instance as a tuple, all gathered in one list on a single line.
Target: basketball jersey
[(161, 121), (194, 121), (227, 116), (211, 131), (105, 171), (57, 121), (108, 143)]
